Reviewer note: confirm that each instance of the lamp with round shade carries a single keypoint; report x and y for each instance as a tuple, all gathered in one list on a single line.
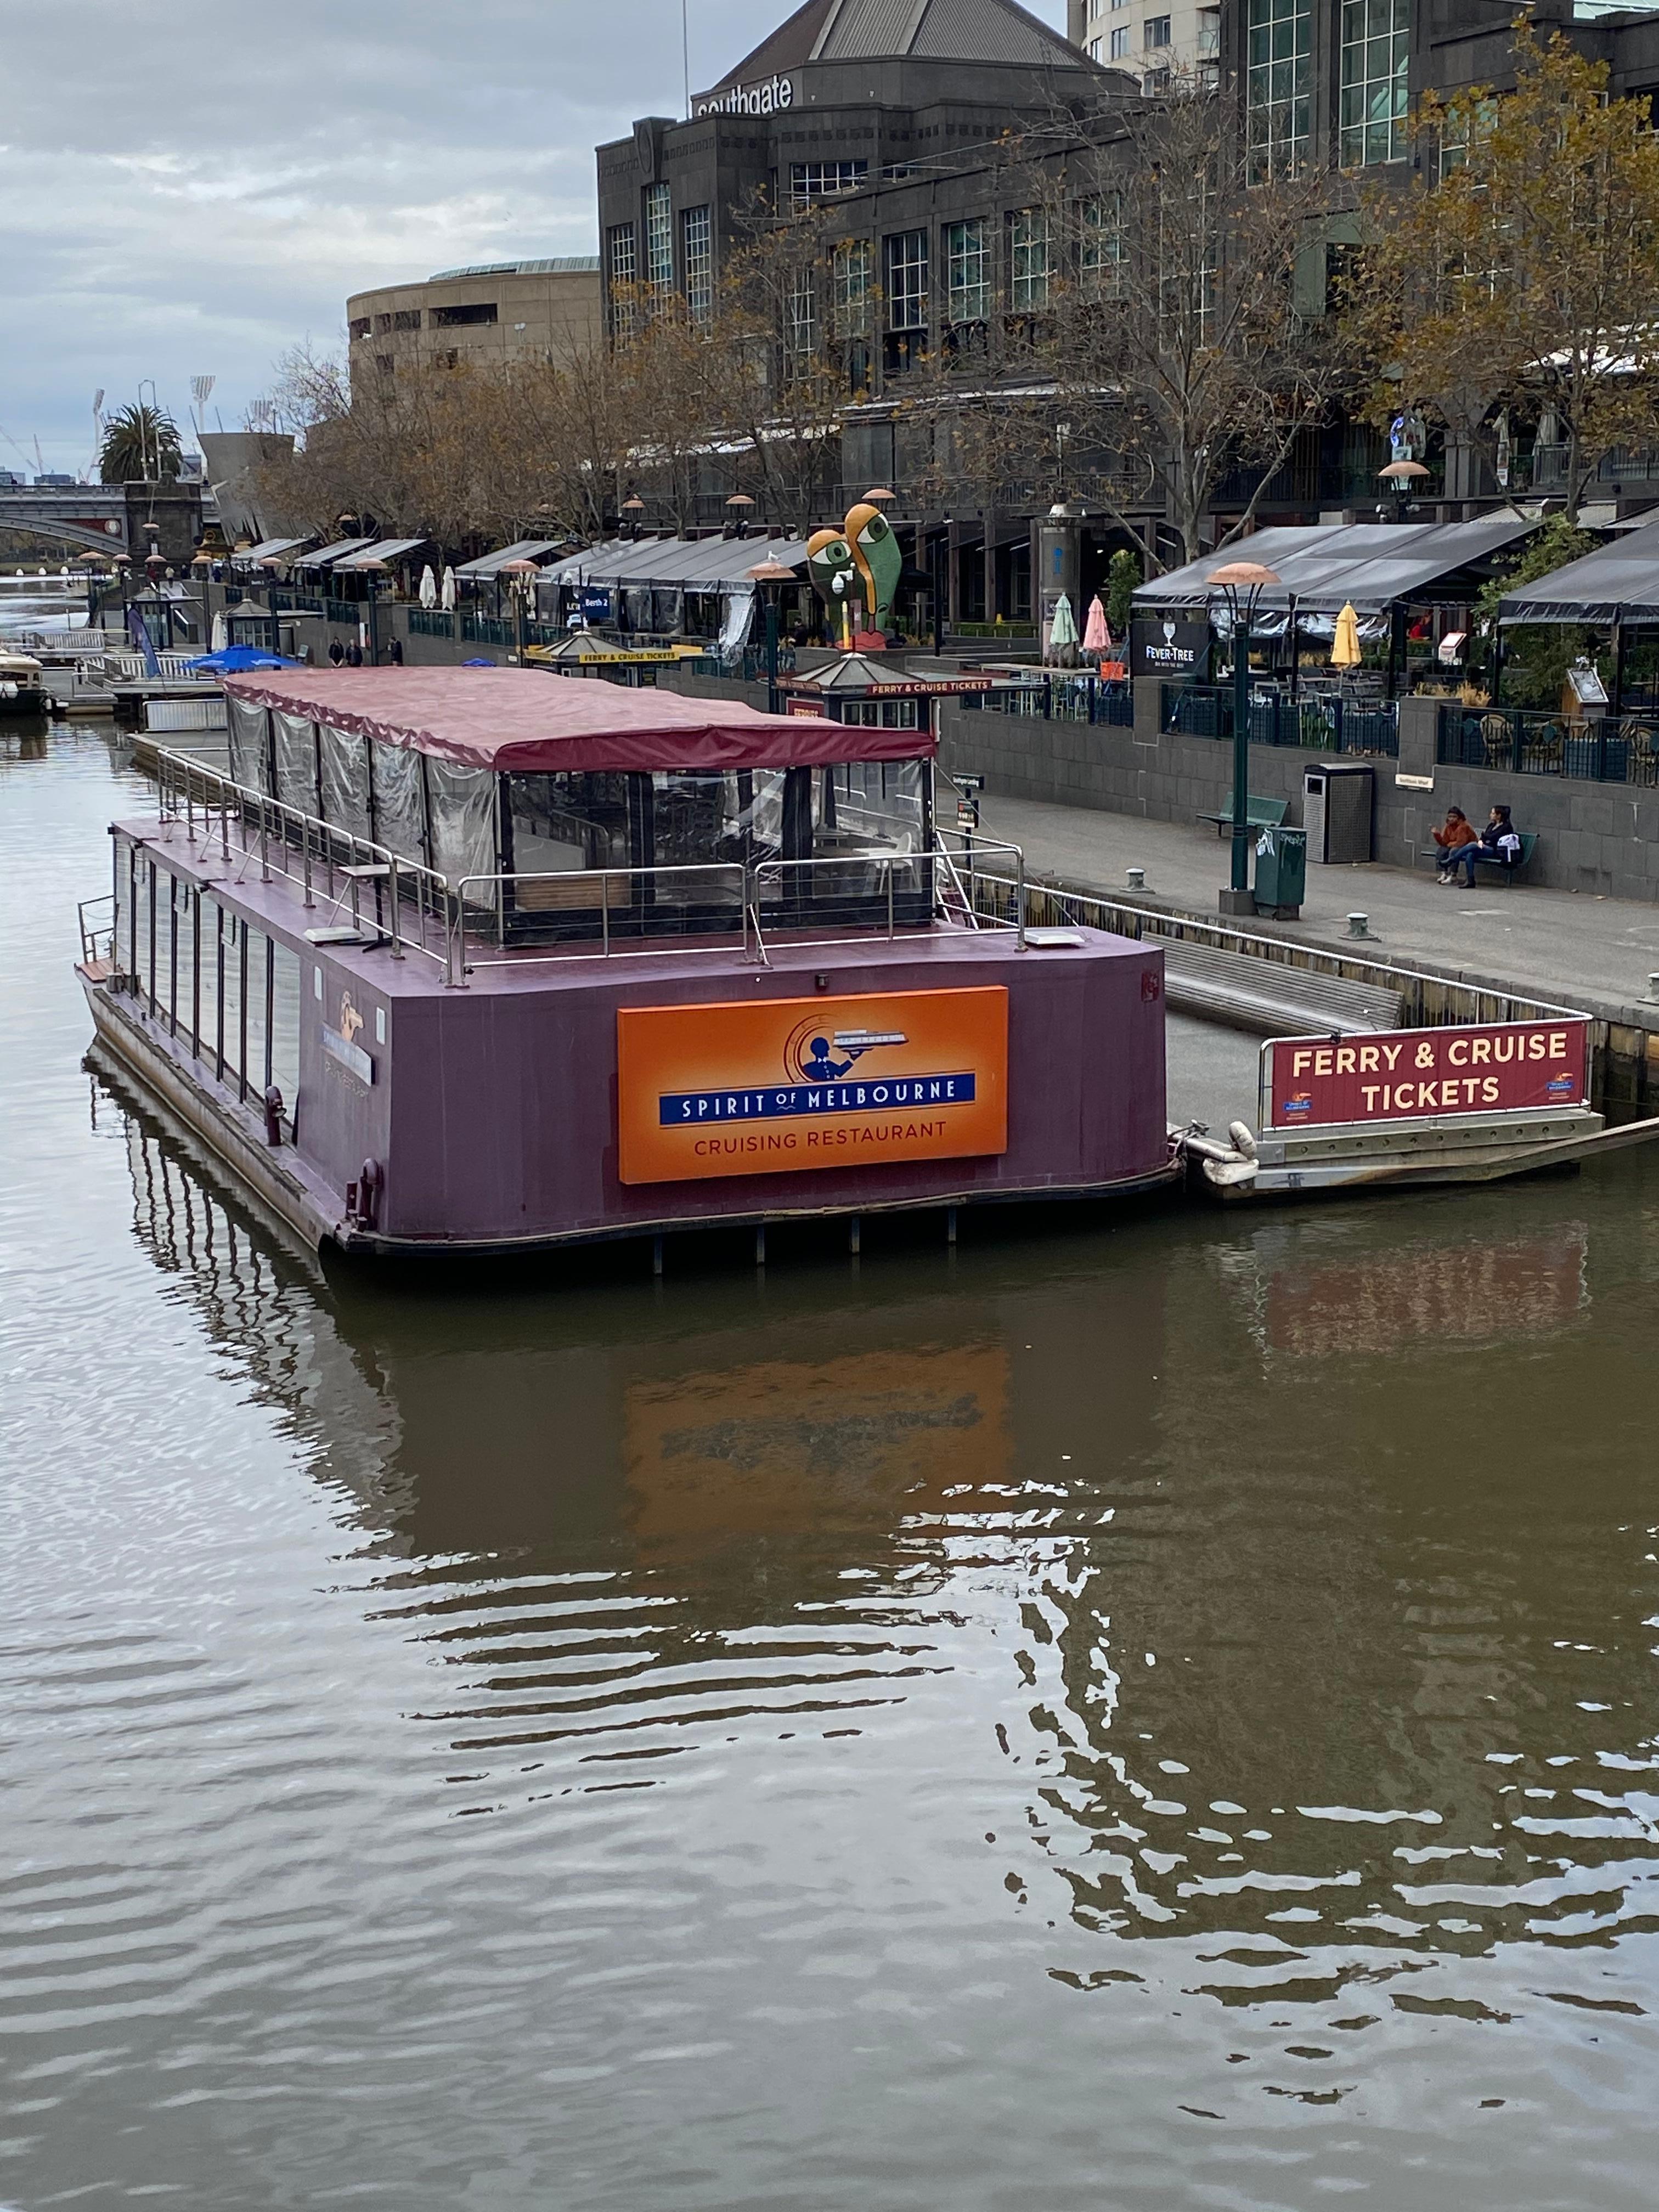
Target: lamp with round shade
[(769, 576)]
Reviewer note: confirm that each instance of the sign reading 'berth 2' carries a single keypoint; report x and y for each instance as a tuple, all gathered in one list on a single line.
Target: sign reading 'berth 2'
[(779, 1085)]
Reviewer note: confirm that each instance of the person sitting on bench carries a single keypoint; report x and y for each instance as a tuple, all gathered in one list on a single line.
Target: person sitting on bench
[(1499, 841), (1458, 831)]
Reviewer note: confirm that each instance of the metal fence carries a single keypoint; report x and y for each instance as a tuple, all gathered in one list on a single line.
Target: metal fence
[(1061, 696), (1523, 741), (1326, 724)]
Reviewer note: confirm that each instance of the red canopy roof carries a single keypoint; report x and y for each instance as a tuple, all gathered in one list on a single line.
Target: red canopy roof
[(524, 720)]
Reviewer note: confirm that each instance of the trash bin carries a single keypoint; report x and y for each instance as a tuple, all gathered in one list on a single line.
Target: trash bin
[(1281, 873), (1338, 800)]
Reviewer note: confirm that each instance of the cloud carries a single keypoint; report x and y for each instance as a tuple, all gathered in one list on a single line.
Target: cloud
[(197, 194)]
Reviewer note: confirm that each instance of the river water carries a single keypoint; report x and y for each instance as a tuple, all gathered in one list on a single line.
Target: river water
[(1154, 1713)]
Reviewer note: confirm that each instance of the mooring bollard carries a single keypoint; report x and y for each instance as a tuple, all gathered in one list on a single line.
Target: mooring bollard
[(1137, 878), (1359, 925), (1653, 986)]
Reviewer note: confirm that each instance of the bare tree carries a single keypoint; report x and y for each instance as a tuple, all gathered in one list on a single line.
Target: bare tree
[(1521, 267)]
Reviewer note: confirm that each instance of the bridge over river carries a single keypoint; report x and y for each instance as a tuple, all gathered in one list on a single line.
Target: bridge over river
[(109, 518)]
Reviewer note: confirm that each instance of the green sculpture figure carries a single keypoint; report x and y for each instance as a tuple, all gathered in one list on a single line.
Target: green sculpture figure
[(879, 559)]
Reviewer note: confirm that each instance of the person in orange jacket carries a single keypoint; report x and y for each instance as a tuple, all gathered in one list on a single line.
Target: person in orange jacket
[(1459, 831)]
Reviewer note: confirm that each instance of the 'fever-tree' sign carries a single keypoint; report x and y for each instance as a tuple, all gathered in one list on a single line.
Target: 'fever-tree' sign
[(1413, 1075)]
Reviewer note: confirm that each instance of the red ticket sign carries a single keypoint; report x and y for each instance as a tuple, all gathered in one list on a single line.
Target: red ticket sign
[(1412, 1075)]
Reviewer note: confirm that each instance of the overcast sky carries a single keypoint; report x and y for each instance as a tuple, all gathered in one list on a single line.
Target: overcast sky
[(190, 192)]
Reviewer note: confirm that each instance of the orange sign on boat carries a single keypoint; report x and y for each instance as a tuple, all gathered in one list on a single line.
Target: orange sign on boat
[(773, 1086)]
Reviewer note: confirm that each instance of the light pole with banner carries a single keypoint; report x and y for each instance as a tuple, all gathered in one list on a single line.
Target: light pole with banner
[(1241, 584)]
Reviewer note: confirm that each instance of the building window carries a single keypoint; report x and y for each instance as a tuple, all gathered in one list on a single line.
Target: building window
[(659, 238), (1028, 258), (1375, 63), (358, 327), (906, 280), (697, 252), (1278, 35), (1101, 247), (456, 318), (853, 275), (1155, 32), (822, 180), (800, 327), (1121, 43), (1095, 47), (967, 272), (624, 270)]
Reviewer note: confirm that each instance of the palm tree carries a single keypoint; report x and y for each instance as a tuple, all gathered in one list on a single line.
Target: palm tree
[(140, 444)]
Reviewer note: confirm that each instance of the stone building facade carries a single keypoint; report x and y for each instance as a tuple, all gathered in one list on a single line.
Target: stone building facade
[(496, 313)]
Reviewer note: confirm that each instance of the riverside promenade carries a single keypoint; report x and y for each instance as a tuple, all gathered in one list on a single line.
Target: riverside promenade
[(1595, 953)]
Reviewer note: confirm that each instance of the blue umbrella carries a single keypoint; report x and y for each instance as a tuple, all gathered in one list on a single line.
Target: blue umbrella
[(236, 659)]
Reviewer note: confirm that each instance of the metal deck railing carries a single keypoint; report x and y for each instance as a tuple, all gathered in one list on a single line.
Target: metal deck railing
[(462, 926)]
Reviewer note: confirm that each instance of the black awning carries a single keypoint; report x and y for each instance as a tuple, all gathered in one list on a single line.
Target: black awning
[(1369, 566), (1616, 583)]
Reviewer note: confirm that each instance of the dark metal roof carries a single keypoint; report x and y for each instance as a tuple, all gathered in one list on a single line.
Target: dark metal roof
[(1366, 565), (933, 30), (1616, 582)]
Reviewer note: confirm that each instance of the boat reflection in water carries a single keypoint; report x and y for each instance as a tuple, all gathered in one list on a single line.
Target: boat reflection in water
[(1248, 1665)]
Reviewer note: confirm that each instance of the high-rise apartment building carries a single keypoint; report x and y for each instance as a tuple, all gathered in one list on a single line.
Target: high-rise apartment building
[(1150, 38)]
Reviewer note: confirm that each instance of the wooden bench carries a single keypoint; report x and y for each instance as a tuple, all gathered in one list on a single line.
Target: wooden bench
[(1509, 870), (1259, 814)]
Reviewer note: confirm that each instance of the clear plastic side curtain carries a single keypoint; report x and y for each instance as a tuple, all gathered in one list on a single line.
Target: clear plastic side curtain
[(296, 761), (400, 815), (461, 804), (344, 761), (249, 764)]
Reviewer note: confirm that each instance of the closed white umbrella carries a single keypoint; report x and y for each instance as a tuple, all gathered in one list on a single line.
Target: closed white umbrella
[(220, 634), (450, 592), (429, 586)]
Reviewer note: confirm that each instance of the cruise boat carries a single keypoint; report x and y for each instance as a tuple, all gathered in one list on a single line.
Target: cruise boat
[(488, 960), (23, 685)]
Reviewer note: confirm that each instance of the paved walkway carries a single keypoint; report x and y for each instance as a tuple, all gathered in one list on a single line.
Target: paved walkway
[(1559, 945)]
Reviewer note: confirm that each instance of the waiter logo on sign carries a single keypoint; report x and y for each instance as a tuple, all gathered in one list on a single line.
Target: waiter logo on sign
[(785, 1084)]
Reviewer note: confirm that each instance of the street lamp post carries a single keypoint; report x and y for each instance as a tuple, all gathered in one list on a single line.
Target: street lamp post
[(523, 574), (372, 571), (769, 577), (1240, 583)]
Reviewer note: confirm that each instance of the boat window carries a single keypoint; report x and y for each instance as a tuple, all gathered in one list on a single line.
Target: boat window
[(869, 805), (562, 823), (344, 761), (249, 764), (296, 761), (399, 808), (255, 1008), (461, 811), (284, 1027), (731, 815)]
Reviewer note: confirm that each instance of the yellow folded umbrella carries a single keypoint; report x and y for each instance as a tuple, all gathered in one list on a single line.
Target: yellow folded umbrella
[(1345, 646)]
